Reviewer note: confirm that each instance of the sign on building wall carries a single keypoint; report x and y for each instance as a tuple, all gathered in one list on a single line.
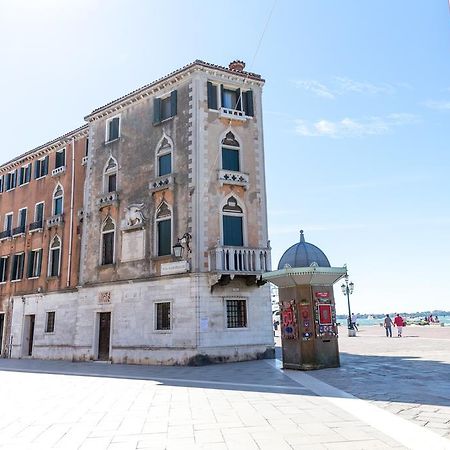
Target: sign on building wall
[(174, 267)]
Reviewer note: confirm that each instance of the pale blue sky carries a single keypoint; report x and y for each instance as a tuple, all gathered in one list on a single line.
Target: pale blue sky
[(356, 109)]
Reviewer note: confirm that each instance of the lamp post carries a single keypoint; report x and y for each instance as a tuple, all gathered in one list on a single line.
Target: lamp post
[(182, 243), (347, 289)]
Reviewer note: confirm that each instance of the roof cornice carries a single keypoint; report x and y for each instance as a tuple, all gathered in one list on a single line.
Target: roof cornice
[(42, 150), (168, 80)]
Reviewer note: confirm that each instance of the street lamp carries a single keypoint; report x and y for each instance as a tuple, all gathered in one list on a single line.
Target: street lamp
[(347, 289), (183, 242)]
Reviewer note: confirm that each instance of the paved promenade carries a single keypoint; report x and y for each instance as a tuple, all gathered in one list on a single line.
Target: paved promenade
[(251, 405)]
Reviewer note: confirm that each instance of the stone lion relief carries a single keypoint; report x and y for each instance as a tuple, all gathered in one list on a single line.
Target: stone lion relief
[(134, 215)]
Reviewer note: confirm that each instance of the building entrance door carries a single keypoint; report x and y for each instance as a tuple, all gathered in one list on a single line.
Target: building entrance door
[(104, 334), (28, 335), (2, 327)]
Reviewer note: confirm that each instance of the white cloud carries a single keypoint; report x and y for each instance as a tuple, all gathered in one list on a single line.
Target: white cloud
[(353, 127), (316, 88), (343, 85), (441, 105)]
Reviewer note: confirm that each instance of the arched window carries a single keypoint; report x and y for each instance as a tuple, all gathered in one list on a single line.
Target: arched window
[(108, 235), (110, 176), (164, 230), (54, 258), (58, 200), (232, 223), (230, 153), (164, 157)]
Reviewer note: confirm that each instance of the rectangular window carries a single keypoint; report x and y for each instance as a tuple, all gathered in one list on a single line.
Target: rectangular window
[(165, 164), (230, 98), (50, 322), (4, 260), (113, 129), (41, 167), (39, 212), (230, 159), (236, 313), (86, 148), (60, 158), (1, 184), (164, 108), (164, 237), (232, 231), (34, 263), (162, 316), (112, 182), (11, 179), (8, 221), (54, 262), (22, 222), (17, 266), (25, 174)]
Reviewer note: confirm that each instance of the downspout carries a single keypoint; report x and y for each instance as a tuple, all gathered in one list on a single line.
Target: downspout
[(72, 194)]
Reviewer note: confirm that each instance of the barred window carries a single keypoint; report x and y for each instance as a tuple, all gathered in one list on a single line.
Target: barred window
[(50, 322), (236, 313), (163, 316)]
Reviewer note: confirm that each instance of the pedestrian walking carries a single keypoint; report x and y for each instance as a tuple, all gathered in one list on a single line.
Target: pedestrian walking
[(353, 321), (388, 325), (398, 322)]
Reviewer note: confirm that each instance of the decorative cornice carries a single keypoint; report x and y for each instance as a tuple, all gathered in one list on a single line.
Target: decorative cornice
[(42, 150), (169, 80)]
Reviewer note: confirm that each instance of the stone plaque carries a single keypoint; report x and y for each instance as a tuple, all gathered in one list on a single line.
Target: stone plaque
[(133, 245), (174, 267)]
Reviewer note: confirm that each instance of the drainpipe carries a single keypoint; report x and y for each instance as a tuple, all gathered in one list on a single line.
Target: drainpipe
[(72, 194)]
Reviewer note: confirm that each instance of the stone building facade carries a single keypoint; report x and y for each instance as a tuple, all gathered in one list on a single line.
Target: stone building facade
[(170, 232)]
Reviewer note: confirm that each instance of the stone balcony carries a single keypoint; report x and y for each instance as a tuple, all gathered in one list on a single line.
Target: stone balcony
[(55, 221), (58, 171), (111, 198), (239, 260), (164, 182), (234, 178), (234, 114)]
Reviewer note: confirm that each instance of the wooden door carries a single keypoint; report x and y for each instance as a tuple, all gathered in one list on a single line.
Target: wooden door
[(104, 334), (31, 335), (2, 326)]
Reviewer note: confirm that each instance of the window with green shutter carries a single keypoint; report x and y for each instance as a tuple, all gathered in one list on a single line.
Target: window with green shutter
[(165, 107)]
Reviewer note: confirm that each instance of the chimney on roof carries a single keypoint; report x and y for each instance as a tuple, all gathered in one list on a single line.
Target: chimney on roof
[(237, 65)]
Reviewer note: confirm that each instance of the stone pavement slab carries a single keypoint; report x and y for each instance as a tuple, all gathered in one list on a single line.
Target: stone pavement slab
[(234, 406), (251, 405), (408, 376)]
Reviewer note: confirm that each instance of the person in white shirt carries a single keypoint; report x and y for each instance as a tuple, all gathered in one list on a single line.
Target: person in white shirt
[(353, 320)]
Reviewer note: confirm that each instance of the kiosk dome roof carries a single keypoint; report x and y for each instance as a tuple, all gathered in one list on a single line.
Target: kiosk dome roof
[(303, 254)]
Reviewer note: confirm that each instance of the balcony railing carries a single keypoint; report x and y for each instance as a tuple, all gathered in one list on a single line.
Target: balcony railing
[(55, 221), (107, 199), (36, 226), (17, 231), (164, 182), (239, 260), (58, 171), (232, 177), (235, 114), (5, 234)]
